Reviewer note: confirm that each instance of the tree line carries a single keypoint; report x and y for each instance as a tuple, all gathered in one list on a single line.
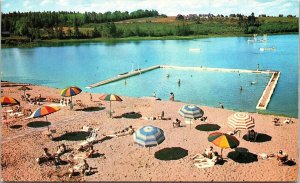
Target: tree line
[(66, 25), (24, 23)]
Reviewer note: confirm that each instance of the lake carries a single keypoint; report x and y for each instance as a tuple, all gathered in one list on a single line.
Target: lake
[(87, 63)]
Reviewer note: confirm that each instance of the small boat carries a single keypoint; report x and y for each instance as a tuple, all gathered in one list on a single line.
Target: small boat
[(194, 49)]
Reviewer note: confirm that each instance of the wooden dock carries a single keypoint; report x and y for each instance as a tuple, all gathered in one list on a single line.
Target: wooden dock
[(217, 69), (262, 103), (123, 76), (267, 94)]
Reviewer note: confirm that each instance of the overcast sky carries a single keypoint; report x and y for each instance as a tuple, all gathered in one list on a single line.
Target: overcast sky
[(168, 7)]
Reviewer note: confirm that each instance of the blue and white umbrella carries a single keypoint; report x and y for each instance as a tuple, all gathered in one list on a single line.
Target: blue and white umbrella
[(191, 112), (149, 136)]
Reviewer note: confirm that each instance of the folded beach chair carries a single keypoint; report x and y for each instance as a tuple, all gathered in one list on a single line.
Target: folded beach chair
[(91, 139)]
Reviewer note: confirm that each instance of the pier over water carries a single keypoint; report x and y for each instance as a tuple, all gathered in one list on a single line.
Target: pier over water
[(262, 103)]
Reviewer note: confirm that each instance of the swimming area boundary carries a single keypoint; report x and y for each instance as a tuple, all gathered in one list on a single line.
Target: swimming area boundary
[(262, 103)]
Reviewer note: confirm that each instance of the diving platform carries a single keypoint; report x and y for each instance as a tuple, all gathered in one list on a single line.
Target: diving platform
[(262, 104)]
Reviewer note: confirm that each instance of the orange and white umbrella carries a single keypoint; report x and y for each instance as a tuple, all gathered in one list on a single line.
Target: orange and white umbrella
[(240, 121)]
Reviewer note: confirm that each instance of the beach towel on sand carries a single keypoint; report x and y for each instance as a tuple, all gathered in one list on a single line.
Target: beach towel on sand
[(204, 164)]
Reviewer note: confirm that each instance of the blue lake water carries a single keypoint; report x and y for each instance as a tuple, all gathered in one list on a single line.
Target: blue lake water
[(84, 64)]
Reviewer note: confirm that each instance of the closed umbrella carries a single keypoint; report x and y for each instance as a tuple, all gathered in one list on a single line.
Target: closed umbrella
[(149, 136), (240, 121), (223, 140), (24, 88), (191, 112), (70, 91), (110, 97)]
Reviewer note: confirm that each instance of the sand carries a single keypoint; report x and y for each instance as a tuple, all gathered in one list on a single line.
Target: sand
[(125, 161)]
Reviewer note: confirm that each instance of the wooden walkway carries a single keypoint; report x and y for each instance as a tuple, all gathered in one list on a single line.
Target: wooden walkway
[(262, 104), (123, 76), (267, 94)]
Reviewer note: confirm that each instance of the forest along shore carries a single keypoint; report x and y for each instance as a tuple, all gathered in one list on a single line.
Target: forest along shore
[(43, 28)]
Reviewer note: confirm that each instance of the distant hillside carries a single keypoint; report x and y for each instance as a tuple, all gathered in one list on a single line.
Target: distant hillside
[(144, 24)]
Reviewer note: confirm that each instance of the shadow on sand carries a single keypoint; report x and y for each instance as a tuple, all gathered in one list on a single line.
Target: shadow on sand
[(16, 126), (242, 155), (261, 137), (73, 136), (131, 115), (38, 124), (172, 153), (208, 127), (91, 109)]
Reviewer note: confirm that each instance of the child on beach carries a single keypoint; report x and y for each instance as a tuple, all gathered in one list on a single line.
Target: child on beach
[(172, 97)]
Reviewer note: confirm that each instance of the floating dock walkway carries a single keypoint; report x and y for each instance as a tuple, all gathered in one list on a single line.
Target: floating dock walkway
[(262, 104), (123, 76), (267, 94)]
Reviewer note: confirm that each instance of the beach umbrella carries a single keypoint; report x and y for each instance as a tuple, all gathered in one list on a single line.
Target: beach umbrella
[(110, 97), (24, 88), (44, 111), (223, 140), (240, 121), (70, 91), (191, 112), (9, 101), (149, 136)]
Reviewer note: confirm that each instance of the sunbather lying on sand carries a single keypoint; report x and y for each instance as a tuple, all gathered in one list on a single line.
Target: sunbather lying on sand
[(265, 156), (85, 147), (201, 161), (61, 149), (86, 154), (83, 168), (149, 118), (127, 131), (47, 157)]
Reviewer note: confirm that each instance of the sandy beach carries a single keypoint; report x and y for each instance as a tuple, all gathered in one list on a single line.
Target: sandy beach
[(121, 160)]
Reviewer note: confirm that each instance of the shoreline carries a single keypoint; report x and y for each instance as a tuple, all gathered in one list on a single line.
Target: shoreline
[(125, 161), (68, 42), (262, 112)]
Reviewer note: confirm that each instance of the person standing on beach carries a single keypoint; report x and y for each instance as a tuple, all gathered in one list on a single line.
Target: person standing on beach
[(172, 97), (221, 105), (154, 94), (91, 97)]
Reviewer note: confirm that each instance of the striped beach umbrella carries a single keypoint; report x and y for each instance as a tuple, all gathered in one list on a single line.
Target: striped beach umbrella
[(240, 121), (149, 136), (44, 111), (110, 97), (9, 101), (191, 112), (70, 91), (223, 140)]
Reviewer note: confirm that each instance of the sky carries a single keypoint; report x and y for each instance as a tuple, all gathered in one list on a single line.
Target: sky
[(168, 7)]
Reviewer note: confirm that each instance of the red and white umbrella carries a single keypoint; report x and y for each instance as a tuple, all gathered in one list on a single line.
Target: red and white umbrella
[(240, 121)]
